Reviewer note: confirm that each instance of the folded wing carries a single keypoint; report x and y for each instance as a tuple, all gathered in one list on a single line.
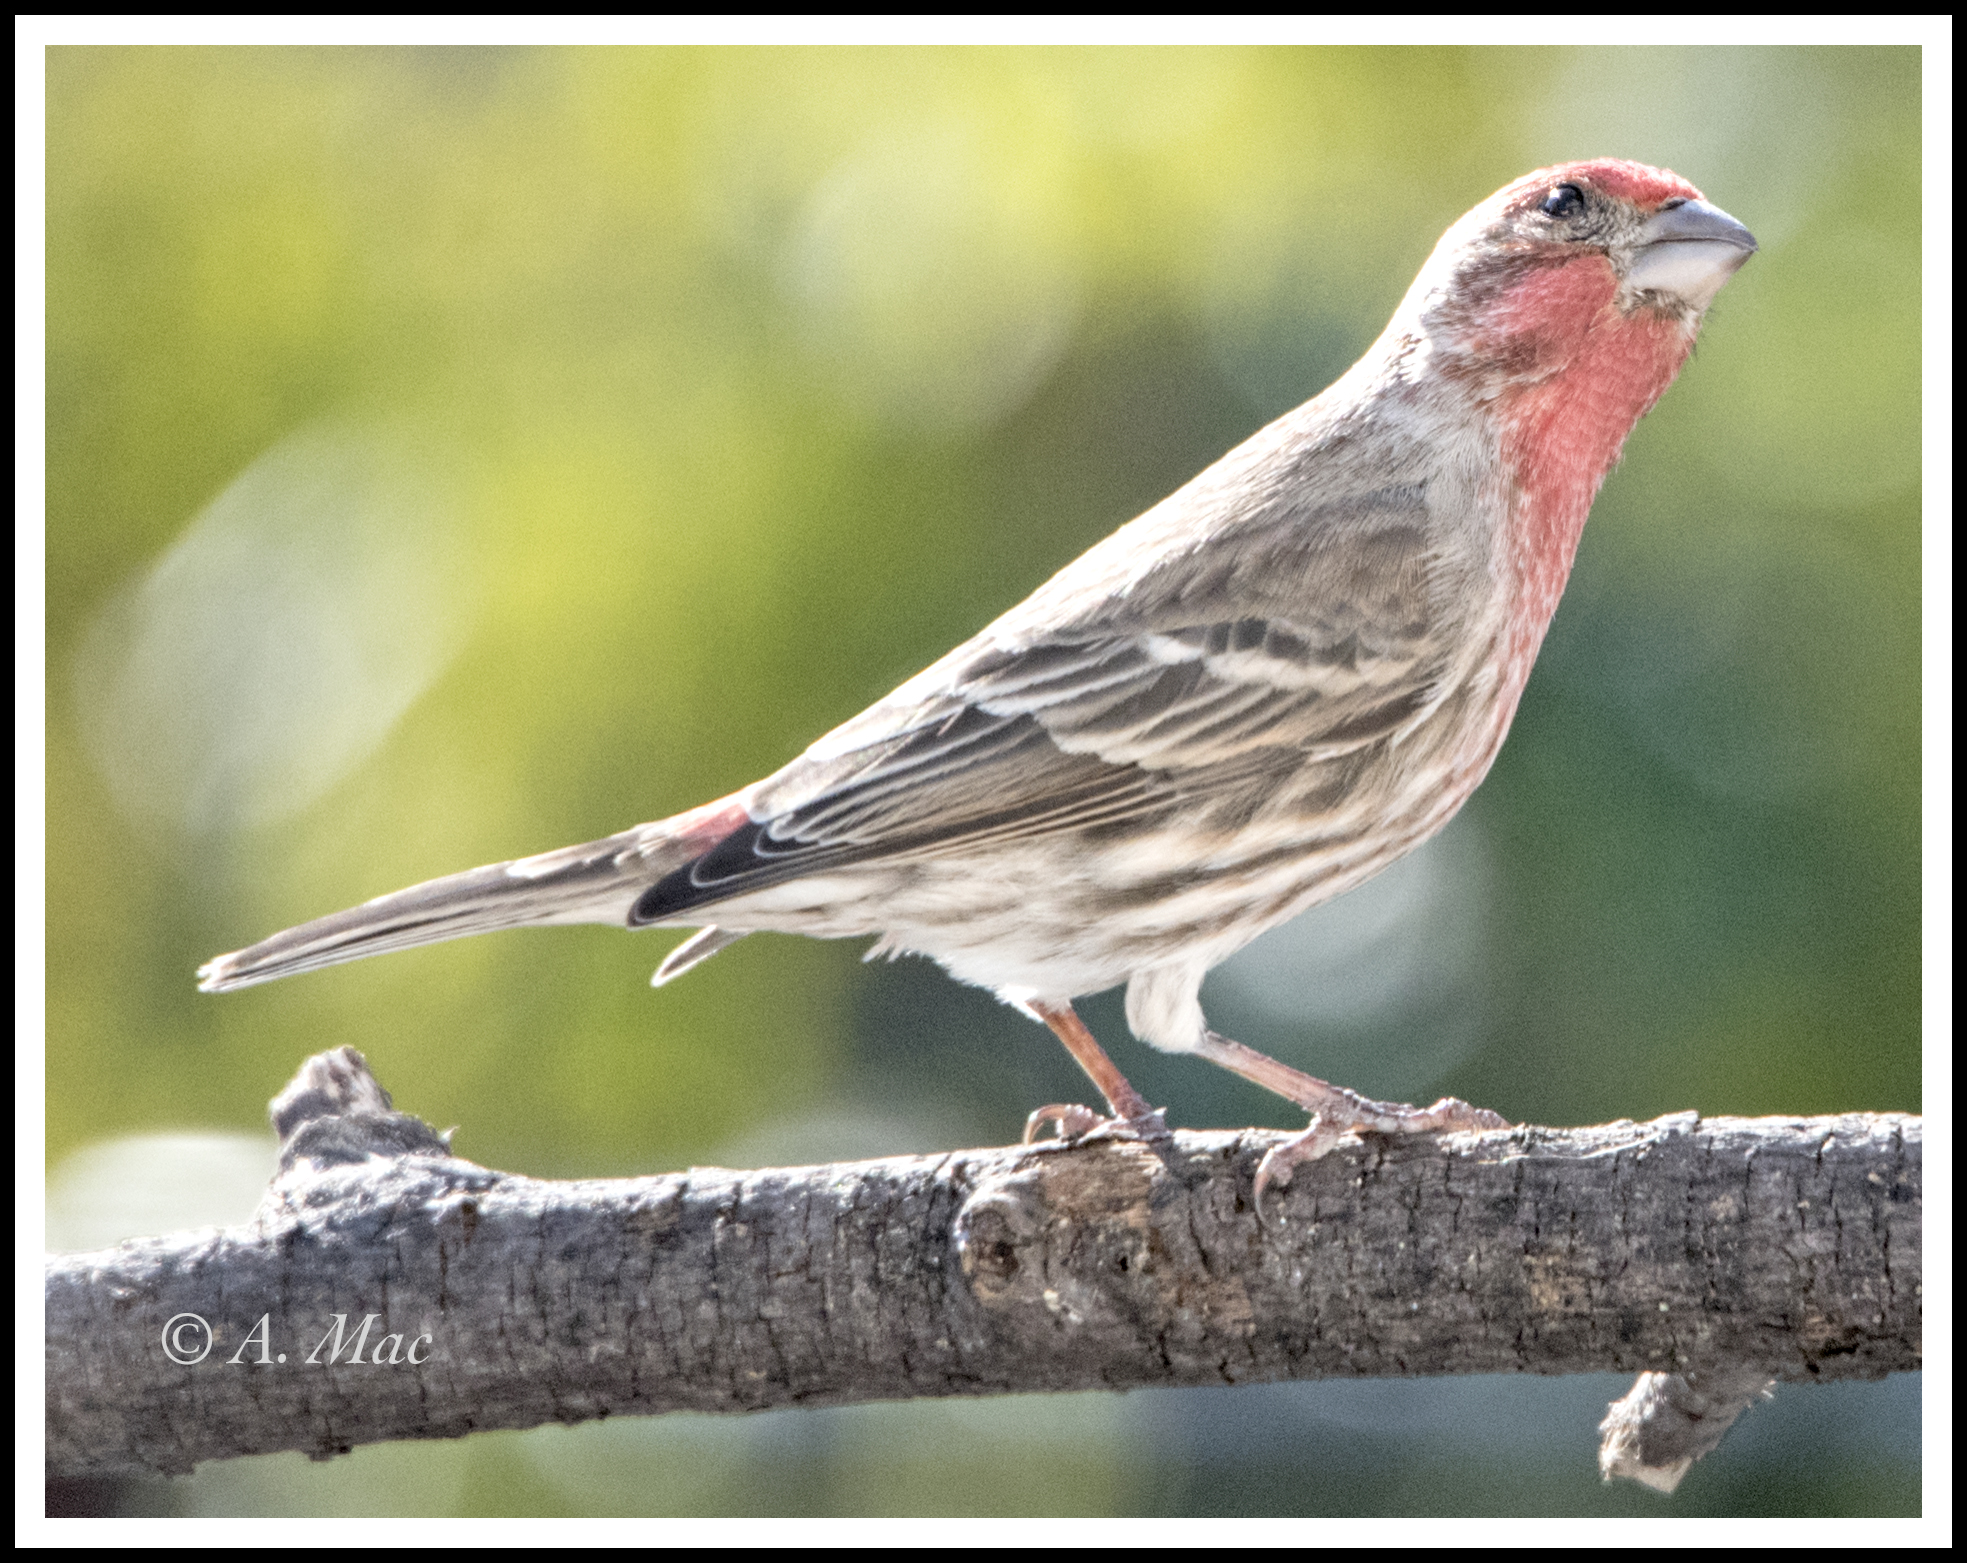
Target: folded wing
[(1138, 702)]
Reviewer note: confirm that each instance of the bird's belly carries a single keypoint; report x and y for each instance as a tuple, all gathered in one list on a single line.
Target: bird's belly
[(1069, 914)]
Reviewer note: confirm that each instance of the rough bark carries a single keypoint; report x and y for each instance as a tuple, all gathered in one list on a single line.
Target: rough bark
[(1725, 1252)]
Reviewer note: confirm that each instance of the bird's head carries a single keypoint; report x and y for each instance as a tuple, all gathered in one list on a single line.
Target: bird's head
[(1561, 308), (1519, 288)]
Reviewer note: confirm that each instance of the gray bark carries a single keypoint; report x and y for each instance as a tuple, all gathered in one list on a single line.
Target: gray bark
[(1713, 1256)]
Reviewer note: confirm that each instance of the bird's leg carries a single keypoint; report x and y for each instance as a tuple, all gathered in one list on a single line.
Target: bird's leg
[(1131, 1114), (1335, 1111)]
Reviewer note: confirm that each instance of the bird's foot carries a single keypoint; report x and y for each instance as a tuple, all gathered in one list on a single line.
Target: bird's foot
[(1354, 1115), (1132, 1118), (1076, 1125)]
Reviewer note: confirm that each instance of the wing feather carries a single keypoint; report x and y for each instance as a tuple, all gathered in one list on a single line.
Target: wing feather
[(1140, 698)]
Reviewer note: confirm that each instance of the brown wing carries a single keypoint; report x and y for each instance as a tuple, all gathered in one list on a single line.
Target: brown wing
[(1142, 700)]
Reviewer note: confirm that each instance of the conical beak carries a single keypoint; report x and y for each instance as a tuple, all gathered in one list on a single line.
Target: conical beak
[(1688, 252)]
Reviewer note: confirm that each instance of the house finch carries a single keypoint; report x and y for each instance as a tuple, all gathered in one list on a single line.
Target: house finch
[(1245, 702)]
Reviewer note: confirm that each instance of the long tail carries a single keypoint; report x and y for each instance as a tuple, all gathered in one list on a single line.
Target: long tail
[(597, 882)]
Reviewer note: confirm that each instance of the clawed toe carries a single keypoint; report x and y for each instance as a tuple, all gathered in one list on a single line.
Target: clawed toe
[(1448, 1115), (1069, 1120), (1282, 1159), (1075, 1125), (1445, 1116)]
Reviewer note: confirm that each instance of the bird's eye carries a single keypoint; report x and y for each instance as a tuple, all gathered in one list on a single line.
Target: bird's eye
[(1564, 201)]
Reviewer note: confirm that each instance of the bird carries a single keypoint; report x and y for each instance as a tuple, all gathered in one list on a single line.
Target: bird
[(1247, 701)]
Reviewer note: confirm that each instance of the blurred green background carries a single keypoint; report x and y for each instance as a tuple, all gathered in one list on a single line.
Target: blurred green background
[(457, 453)]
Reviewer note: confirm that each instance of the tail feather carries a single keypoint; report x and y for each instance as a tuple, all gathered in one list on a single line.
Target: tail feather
[(594, 883), (694, 951)]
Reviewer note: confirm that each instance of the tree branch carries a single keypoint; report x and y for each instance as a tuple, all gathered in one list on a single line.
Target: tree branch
[(1714, 1255)]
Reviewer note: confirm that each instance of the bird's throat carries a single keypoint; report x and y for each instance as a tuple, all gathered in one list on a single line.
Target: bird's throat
[(1561, 434)]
